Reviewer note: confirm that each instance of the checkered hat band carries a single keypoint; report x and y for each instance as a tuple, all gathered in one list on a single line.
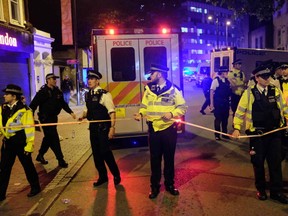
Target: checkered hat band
[(266, 71), (13, 90), (94, 74), (157, 69)]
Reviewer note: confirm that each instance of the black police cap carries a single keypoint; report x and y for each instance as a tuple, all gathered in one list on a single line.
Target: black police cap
[(13, 89), (95, 74)]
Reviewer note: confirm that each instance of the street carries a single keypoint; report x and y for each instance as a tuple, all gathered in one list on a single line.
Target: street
[(213, 177)]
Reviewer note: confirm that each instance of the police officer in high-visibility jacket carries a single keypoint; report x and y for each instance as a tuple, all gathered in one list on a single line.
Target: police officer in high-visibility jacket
[(17, 140), (161, 102), (262, 108), (236, 78)]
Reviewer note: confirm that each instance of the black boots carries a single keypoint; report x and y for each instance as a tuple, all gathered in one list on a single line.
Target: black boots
[(100, 181), (40, 158), (34, 191), (62, 163)]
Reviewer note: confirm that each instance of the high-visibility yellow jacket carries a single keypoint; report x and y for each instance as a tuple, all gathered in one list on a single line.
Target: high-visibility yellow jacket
[(153, 106), (22, 117), (244, 109), (237, 81)]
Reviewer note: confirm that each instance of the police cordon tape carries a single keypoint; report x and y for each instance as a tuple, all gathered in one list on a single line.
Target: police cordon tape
[(145, 117)]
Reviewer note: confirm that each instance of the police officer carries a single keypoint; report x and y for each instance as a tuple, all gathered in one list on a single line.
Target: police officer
[(236, 78), (100, 107), (50, 101), (220, 95), (264, 109), (280, 80), (17, 141), (161, 102)]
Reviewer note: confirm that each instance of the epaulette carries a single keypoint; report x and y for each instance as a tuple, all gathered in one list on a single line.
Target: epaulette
[(101, 91)]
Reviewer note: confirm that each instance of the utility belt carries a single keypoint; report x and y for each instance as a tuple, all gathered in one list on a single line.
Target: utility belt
[(259, 131)]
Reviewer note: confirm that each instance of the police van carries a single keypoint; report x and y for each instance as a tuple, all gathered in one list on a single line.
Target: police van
[(123, 57), (251, 58)]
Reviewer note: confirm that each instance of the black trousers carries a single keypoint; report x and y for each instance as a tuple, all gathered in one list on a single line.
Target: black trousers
[(162, 144), (234, 102), (267, 148), (101, 150), (206, 102), (221, 113), (51, 138), (9, 150)]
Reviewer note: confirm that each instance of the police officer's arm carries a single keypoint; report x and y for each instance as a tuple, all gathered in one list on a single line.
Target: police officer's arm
[(231, 78), (143, 106), (180, 106), (27, 119), (39, 98), (113, 122), (282, 103), (67, 109), (212, 91), (240, 113)]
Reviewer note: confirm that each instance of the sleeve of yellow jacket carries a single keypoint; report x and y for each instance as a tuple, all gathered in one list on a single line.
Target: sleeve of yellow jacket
[(180, 104), (244, 110), (27, 119)]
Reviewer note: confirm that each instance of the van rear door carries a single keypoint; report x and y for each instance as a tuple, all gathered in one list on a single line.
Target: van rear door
[(126, 61)]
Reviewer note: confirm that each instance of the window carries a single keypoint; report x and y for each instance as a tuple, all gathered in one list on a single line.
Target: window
[(225, 61), (216, 63), (16, 11), (152, 55), (183, 29), (256, 42), (123, 64), (1, 11), (279, 37), (261, 42)]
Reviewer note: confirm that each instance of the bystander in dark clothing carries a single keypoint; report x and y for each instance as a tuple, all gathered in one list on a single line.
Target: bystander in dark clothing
[(50, 101), (66, 87), (206, 85), (17, 141)]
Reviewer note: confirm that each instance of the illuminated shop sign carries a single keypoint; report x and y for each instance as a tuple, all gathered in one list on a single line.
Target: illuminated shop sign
[(15, 40), (7, 40)]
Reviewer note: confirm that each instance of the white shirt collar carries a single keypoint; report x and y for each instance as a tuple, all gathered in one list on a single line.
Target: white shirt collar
[(12, 105)]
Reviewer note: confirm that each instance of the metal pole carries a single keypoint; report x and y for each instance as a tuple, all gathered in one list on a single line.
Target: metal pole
[(217, 32), (226, 35), (76, 49)]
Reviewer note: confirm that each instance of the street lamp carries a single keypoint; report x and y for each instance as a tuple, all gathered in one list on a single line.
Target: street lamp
[(228, 23), (217, 29)]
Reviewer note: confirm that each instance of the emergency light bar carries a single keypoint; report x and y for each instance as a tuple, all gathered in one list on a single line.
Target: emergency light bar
[(113, 31)]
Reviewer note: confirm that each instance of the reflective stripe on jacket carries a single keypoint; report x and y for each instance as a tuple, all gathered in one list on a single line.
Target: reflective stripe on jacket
[(154, 106), (21, 117)]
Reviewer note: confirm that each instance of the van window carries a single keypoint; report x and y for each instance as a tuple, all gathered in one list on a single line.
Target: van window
[(226, 61), (154, 55), (123, 64), (216, 64)]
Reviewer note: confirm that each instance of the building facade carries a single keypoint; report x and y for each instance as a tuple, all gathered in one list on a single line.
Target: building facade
[(41, 60), (16, 45), (207, 27), (281, 28)]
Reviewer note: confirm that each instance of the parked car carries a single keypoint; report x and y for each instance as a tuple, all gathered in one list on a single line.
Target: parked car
[(189, 74)]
